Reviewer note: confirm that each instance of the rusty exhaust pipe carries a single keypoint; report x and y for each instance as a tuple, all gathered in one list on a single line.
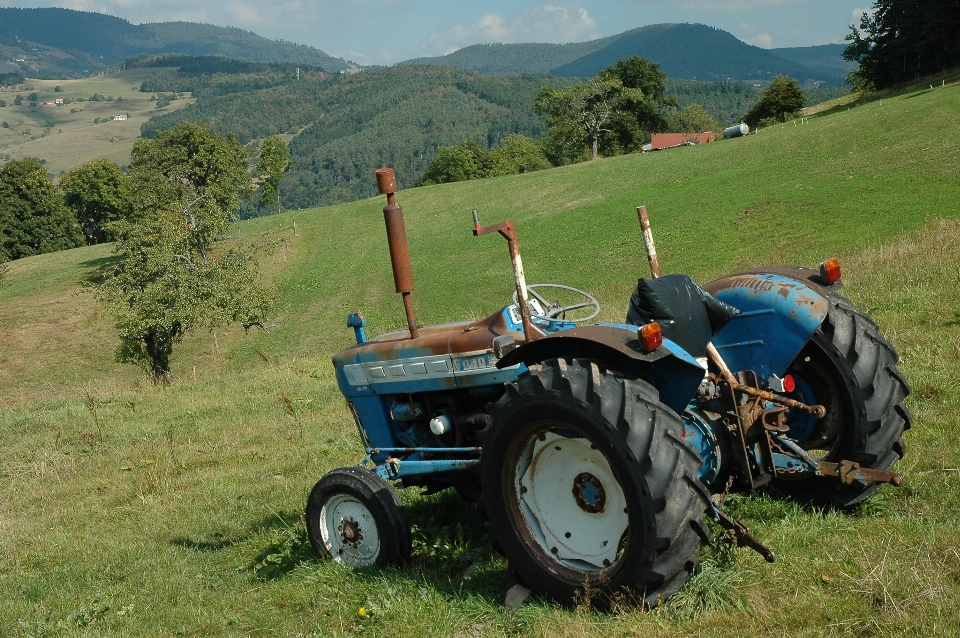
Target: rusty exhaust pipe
[(397, 240)]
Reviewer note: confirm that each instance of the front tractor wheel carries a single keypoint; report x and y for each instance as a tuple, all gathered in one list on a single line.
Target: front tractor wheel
[(590, 487), (356, 518)]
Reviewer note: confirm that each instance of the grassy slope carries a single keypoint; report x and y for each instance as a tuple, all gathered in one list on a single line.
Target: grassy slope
[(75, 139), (134, 510)]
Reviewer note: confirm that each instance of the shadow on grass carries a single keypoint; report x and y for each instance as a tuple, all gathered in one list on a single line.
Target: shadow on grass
[(97, 267), (451, 551)]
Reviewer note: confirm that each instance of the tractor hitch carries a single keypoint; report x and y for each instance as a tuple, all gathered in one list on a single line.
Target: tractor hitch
[(848, 472), (741, 536)]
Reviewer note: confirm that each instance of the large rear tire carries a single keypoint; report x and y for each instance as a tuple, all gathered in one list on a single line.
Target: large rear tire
[(590, 487), (852, 371)]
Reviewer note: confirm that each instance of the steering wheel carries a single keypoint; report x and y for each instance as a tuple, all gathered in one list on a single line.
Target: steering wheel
[(557, 310)]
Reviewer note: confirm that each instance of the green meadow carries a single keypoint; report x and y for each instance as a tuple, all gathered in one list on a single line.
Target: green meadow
[(128, 509)]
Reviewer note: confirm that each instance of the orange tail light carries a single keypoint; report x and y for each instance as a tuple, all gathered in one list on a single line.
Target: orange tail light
[(651, 336), (830, 270)]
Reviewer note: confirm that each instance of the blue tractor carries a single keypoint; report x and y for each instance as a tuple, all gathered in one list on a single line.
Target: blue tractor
[(596, 450)]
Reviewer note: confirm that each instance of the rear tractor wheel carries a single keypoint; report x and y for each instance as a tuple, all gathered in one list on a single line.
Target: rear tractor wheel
[(590, 487), (851, 370)]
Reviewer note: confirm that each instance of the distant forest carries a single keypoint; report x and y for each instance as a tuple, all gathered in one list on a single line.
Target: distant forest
[(347, 126)]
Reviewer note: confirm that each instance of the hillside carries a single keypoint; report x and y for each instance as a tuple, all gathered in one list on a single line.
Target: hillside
[(684, 51), (81, 130), (61, 43), (827, 59), (130, 509), (345, 127)]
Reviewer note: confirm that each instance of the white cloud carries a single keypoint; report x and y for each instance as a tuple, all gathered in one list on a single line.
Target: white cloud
[(762, 40), (547, 23)]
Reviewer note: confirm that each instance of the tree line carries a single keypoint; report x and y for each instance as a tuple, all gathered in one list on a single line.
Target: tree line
[(611, 114), (85, 208), (902, 41)]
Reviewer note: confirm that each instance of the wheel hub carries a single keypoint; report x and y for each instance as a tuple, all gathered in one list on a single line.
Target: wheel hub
[(350, 529), (571, 501), (588, 492)]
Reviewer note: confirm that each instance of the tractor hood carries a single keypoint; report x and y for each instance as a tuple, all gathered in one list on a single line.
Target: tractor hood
[(445, 356)]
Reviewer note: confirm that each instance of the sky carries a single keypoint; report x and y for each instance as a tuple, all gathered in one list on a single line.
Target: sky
[(389, 31)]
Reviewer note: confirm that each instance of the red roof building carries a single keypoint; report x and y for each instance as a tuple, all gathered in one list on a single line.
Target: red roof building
[(660, 141)]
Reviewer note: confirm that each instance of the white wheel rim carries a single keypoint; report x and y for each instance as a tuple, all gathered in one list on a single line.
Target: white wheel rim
[(349, 531), (571, 501)]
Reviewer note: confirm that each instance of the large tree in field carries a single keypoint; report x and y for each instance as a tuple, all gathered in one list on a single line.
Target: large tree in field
[(178, 273), (273, 162), (638, 118), (585, 110), (99, 194), (33, 219), (781, 98)]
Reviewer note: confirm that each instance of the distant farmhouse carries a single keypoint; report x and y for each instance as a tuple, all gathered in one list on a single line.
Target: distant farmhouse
[(661, 141)]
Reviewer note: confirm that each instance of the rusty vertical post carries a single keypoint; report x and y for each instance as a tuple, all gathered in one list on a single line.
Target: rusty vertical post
[(509, 232), (397, 240), (648, 241)]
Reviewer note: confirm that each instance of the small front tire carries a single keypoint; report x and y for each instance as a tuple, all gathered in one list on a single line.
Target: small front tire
[(357, 519)]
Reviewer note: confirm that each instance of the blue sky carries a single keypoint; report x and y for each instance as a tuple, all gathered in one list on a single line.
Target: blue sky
[(388, 31)]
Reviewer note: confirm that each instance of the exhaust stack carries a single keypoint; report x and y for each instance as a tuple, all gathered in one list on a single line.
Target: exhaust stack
[(397, 240)]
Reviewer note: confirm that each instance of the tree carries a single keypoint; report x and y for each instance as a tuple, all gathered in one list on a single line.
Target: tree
[(903, 40), (178, 273), (782, 98), (467, 160), (99, 194), (18, 100), (33, 219), (518, 154), (638, 118), (694, 119), (273, 162), (585, 110)]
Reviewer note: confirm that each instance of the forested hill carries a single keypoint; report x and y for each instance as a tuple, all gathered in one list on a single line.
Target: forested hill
[(689, 51), (345, 127), (825, 58), (514, 59), (67, 43)]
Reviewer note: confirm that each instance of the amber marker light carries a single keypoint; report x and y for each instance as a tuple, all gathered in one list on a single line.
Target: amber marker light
[(830, 270), (651, 336)]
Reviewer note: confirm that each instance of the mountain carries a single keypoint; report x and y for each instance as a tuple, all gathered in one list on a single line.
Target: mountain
[(68, 43), (826, 58), (513, 59), (685, 51)]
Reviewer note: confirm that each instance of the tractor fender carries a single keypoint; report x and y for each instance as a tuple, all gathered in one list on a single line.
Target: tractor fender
[(670, 369), (780, 310)]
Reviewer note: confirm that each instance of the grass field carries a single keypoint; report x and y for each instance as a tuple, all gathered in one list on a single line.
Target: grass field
[(66, 135), (130, 509)]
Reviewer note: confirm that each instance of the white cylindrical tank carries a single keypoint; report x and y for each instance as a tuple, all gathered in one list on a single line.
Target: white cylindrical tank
[(736, 131)]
